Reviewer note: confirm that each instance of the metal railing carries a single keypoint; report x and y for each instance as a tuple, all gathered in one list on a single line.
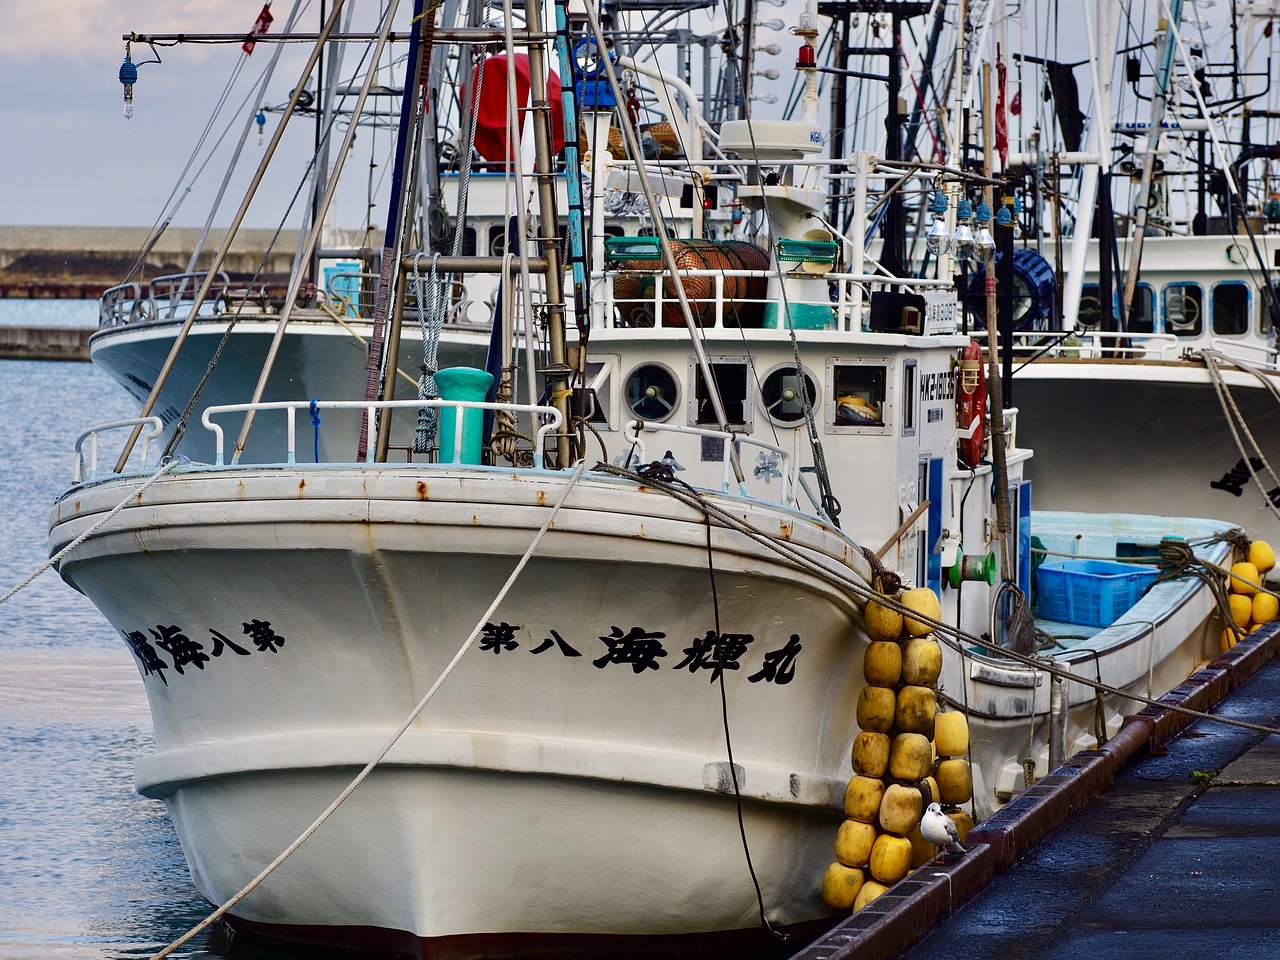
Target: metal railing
[(86, 467), (552, 421)]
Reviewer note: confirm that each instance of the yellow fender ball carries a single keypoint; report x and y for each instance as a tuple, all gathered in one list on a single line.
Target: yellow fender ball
[(921, 661), (871, 753), (955, 781), (862, 798), (1242, 607), (841, 884), (951, 734), (1245, 578), (876, 707), (923, 601), (883, 623), (871, 889), (910, 757), (1265, 608), (922, 851), (882, 663), (963, 822), (890, 858), (853, 843), (1261, 556), (916, 709), (901, 809)]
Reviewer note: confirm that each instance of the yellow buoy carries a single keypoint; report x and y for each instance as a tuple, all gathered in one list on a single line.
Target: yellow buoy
[(1226, 641), (1261, 556), (1245, 578), (900, 810), (921, 661), (932, 786), (871, 753), (951, 734), (853, 843), (890, 858), (963, 822), (883, 623), (1242, 607), (923, 601), (862, 798), (916, 709), (955, 781), (922, 851), (841, 884), (1264, 609), (876, 706), (910, 756), (871, 889), (882, 663)]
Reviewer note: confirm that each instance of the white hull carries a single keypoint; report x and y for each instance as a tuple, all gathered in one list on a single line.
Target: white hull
[(1172, 631), (600, 787), (316, 359), (1133, 437)]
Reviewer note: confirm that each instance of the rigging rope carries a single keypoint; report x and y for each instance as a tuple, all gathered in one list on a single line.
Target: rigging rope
[(431, 310), (859, 584)]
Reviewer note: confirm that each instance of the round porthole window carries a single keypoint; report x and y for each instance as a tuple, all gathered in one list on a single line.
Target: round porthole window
[(781, 395), (652, 393)]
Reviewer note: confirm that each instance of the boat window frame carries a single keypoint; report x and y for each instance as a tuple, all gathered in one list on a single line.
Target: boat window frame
[(1249, 311), (748, 398), (815, 394), (676, 403), (1199, 326), (888, 408)]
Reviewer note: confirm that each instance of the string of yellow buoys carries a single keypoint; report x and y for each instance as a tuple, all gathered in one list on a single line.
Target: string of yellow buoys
[(906, 755), (1251, 607)]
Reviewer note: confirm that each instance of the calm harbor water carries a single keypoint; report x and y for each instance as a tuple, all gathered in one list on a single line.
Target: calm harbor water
[(88, 869)]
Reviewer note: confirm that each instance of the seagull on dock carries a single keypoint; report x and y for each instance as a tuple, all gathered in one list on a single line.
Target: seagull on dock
[(940, 830)]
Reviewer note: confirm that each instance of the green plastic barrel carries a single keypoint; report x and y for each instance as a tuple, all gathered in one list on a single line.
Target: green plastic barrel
[(462, 383)]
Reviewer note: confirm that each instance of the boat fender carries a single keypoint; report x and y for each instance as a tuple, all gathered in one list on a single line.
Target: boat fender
[(951, 734), (955, 781), (900, 810), (871, 889), (862, 798), (890, 858), (910, 756), (971, 402), (841, 884), (854, 840)]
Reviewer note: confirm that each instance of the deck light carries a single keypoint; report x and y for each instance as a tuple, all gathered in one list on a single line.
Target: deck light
[(128, 76), (962, 240)]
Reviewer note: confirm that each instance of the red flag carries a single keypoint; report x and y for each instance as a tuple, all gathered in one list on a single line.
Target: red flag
[(1002, 118), (259, 27)]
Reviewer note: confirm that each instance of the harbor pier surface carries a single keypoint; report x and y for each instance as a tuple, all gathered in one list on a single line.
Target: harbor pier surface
[(44, 343), (1159, 844)]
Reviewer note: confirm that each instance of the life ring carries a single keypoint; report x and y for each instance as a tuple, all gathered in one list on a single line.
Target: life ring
[(971, 402)]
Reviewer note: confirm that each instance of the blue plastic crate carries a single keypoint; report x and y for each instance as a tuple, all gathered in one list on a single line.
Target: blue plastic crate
[(1095, 593)]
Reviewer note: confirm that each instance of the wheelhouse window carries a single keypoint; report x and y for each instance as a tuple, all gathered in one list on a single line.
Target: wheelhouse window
[(1183, 309), (858, 394), (651, 392), (1142, 314), (731, 384), (1229, 303), (780, 394), (1090, 313)]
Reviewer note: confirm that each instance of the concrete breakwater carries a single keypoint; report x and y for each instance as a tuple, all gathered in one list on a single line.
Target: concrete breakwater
[(44, 343)]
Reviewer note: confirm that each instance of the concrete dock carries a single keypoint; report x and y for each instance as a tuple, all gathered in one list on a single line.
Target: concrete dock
[(44, 343), (1159, 845)]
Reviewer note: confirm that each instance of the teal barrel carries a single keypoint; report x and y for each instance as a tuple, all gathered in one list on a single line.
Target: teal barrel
[(462, 383)]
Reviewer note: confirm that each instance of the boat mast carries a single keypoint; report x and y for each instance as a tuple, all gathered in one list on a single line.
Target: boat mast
[(1164, 65)]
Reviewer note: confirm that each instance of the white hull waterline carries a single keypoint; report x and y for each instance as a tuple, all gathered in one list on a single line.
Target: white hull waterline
[(514, 786)]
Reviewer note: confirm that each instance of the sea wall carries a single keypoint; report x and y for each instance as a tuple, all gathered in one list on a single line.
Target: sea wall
[(44, 343)]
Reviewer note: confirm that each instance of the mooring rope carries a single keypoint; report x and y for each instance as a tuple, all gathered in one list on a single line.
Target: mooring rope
[(306, 834), (949, 634), (1236, 421)]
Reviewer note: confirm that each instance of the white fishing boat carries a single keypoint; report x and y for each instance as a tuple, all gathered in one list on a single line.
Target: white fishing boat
[(1165, 366), (585, 681)]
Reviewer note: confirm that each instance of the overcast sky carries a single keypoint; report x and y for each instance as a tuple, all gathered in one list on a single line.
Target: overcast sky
[(70, 157)]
